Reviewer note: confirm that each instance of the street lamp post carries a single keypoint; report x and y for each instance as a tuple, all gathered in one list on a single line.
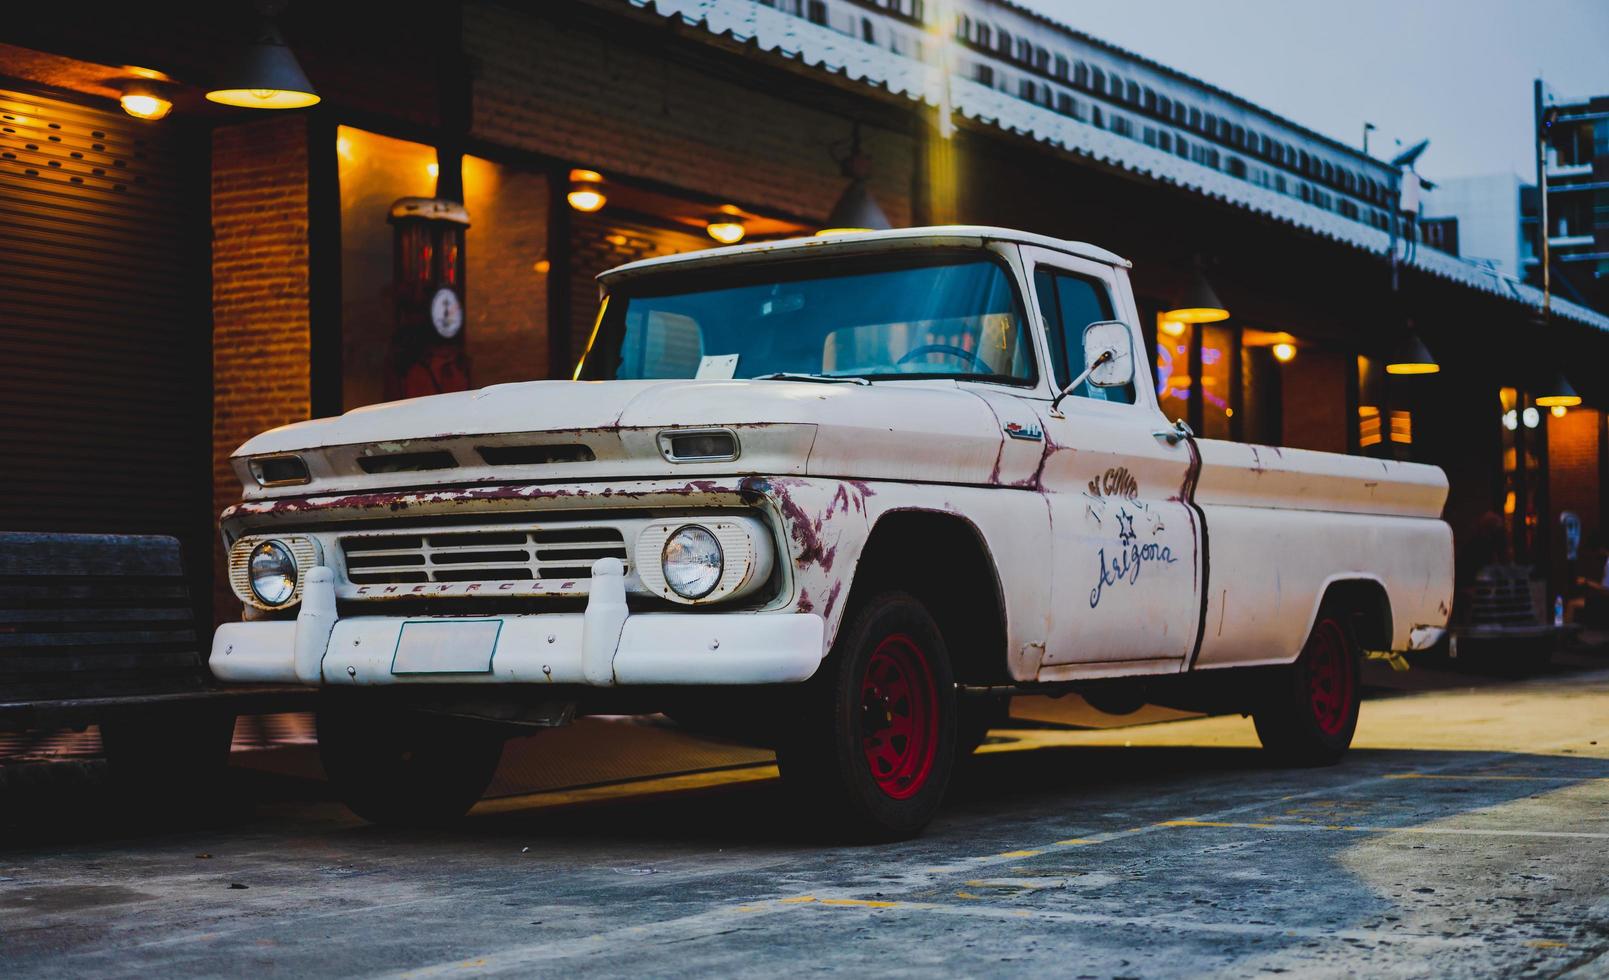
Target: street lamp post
[(1544, 121)]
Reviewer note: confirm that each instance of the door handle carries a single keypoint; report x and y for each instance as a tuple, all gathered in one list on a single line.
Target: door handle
[(1181, 430)]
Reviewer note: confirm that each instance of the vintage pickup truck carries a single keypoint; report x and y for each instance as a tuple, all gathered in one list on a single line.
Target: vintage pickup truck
[(844, 493)]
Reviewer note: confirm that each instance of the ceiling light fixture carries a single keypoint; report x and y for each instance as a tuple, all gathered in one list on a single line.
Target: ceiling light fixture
[(264, 72)]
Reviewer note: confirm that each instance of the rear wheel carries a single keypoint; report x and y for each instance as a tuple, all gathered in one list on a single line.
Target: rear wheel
[(1310, 708), (405, 768), (874, 744)]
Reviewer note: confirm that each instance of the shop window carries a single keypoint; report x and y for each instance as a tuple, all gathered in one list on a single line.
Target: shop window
[(1524, 471), (1173, 380), (1218, 344), (504, 287), (374, 171)]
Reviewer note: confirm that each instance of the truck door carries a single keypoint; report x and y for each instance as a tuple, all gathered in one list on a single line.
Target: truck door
[(1126, 549)]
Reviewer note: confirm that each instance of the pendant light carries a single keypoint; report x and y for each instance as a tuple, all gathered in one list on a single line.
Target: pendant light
[(1201, 304), (1558, 393), (264, 73), (856, 210), (1409, 355)]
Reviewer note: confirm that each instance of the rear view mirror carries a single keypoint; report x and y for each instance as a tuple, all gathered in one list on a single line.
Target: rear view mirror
[(1108, 355), (1108, 359)]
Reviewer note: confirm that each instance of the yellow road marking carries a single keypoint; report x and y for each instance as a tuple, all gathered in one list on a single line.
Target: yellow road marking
[(796, 900), (1498, 778), (1547, 944), (684, 782), (1020, 854), (1077, 840), (862, 903), (1460, 831)]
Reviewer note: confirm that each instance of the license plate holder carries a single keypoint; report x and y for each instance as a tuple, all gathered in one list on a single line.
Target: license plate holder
[(459, 646)]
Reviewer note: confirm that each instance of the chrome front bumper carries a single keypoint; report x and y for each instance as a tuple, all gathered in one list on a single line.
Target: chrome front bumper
[(604, 646)]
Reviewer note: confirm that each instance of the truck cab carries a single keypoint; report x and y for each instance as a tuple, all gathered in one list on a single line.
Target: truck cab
[(849, 491)]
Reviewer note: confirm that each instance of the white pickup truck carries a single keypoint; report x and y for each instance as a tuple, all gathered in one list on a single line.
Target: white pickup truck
[(847, 494)]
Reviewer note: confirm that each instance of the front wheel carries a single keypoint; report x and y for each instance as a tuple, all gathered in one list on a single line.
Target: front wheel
[(1309, 710), (404, 768), (873, 746)]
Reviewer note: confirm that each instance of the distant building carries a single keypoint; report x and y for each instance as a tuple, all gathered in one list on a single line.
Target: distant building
[(1485, 215), (1578, 202)]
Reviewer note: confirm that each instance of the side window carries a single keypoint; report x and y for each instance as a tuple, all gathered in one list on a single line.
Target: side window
[(1071, 303)]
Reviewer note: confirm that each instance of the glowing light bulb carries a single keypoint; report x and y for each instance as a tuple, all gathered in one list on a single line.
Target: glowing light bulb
[(1284, 353), (726, 232), (145, 106)]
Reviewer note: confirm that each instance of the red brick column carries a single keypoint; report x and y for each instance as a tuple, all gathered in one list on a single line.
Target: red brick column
[(260, 308)]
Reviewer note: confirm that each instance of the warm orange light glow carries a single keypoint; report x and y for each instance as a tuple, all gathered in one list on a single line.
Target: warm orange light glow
[(1412, 368), (433, 169), (541, 267), (263, 98), (145, 106), (586, 198), (726, 232), (1284, 353), (1564, 401), (1558, 411), (1173, 328), (586, 191), (840, 231), (1401, 426), (1197, 314)]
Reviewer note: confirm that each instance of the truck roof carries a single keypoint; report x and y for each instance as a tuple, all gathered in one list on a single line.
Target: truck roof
[(867, 241)]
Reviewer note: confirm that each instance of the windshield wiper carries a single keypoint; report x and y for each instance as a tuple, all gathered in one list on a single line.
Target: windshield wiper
[(824, 378)]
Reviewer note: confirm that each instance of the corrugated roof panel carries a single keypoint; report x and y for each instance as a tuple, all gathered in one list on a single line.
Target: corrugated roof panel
[(817, 46)]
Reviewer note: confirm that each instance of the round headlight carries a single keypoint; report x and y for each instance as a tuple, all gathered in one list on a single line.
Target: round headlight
[(273, 573), (692, 562)]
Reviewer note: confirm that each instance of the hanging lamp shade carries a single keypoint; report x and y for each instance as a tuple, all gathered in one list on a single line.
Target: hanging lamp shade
[(1410, 356), (855, 211), (1201, 304), (1558, 393), (263, 73)]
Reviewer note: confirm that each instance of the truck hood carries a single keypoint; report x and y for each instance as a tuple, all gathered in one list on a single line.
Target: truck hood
[(931, 431)]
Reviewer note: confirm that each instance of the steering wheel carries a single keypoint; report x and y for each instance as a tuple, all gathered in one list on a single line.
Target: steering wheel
[(950, 349)]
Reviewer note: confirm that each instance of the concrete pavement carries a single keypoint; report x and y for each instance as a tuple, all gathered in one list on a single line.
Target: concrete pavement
[(1467, 835)]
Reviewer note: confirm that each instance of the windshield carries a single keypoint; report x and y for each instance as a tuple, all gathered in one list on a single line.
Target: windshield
[(952, 317)]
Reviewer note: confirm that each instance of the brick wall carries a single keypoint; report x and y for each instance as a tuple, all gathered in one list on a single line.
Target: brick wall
[(259, 293), (1573, 447), (572, 93)]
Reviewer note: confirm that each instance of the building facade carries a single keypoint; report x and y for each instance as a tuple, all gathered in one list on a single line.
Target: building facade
[(185, 283)]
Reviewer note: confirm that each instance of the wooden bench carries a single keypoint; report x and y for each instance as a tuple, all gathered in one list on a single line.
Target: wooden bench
[(94, 626)]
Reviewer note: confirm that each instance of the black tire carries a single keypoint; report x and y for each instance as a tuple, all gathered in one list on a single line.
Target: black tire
[(169, 757), (402, 768), (1309, 709), (872, 746)]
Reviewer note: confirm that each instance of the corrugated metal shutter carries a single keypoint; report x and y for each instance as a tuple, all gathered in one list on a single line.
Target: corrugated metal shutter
[(103, 394)]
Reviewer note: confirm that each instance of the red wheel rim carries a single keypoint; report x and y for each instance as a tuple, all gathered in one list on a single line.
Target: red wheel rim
[(1329, 677), (899, 717)]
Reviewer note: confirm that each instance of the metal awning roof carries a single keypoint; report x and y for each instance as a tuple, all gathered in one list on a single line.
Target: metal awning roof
[(824, 49)]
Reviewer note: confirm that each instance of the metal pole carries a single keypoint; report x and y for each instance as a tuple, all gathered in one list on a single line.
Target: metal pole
[(1542, 199)]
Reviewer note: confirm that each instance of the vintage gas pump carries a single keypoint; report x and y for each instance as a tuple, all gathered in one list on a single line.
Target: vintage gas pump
[(427, 354)]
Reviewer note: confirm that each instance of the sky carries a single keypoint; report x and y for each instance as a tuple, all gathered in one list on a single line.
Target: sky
[(1458, 72)]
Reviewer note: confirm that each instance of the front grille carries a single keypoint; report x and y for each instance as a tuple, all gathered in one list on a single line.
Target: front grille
[(500, 555), (1499, 599)]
